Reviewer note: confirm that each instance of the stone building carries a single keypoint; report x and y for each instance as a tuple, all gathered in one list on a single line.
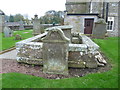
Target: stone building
[(83, 15), (109, 12), (2, 19)]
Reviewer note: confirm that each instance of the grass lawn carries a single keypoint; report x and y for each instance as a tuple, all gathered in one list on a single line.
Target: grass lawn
[(8, 42), (107, 79)]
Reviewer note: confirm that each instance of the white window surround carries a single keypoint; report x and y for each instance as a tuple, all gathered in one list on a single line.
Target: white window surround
[(91, 7), (110, 20)]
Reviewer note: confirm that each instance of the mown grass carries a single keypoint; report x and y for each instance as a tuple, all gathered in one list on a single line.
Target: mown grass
[(8, 42), (107, 79)]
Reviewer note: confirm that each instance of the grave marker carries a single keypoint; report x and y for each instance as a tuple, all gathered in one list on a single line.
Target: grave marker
[(7, 32), (55, 52)]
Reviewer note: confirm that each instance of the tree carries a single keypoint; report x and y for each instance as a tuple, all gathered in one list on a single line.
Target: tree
[(18, 17), (52, 16), (11, 19)]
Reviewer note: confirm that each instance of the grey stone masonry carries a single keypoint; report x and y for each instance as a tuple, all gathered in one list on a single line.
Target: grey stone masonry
[(37, 27), (28, 50), (55, 52), (2, 21), (66, 29), (21, 27), (100, 29), (7, 32)]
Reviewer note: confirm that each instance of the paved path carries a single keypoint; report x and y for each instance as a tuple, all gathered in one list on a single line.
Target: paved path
[(9, 55)]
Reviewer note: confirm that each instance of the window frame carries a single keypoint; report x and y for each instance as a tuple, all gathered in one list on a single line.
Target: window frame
[(110, 20)]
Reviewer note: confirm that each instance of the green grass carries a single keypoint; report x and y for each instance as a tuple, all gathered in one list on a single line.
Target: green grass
[(107, 79), (8, 42)]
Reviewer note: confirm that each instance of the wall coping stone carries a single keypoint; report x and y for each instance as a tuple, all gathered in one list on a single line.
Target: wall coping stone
[(65, 27)]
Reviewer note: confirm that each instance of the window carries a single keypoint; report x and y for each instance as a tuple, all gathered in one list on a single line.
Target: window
[(110, 23)]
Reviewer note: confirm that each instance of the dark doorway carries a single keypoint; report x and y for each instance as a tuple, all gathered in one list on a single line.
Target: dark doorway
[(88, 25)]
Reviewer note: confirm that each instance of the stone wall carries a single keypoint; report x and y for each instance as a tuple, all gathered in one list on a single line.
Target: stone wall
[(113, 12), (114, 32), (77, 7), (30, 50), (77, 22), (1, 23), (79, 55), (97, 7)]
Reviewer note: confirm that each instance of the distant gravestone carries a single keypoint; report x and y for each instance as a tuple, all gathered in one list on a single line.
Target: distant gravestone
[(37, 27), (55, 52), (7, 32), (18, 37), (100, 29), (21, 27)]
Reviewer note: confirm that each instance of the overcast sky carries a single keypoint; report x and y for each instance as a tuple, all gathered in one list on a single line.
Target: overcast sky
[(31, 7)]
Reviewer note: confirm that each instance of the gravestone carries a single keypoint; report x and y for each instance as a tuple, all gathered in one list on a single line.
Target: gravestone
[(7, 32), (18, 37), (100, 29), (37, 27), (55, 52), (21, 27)]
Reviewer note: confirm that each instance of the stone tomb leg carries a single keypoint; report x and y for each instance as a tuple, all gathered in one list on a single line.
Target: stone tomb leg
[(55, 52)]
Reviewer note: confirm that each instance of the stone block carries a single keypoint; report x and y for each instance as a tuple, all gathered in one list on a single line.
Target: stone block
[(77, 64), (66, 29), (55, 52), (37, 27), (74, 56), (100, 29), (90, 61), (75, 40), (7, 32)]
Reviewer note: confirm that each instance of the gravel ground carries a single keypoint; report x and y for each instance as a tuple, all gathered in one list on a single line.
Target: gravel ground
[(13, 66)]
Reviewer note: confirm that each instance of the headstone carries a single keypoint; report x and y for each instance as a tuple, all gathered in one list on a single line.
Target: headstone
[(37, 27), (55, 52), (7, 32), (100, 29), (66, 29), (18, 37), (21, 27)]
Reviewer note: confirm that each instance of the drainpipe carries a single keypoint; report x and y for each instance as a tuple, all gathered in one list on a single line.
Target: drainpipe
[(103, 10), (107, 9)]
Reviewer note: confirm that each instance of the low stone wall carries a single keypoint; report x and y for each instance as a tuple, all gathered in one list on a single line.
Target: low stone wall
[(29, 50), (79, 55)]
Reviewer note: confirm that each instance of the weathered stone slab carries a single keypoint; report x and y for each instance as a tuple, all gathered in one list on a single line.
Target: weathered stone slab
[(90, 61), (92, 47), (7, 32), (55, 52), (37, 27), (66, 29), (21, 27), (100, 29), (78, 47), (75, 59), (30, 52), (77, 64)]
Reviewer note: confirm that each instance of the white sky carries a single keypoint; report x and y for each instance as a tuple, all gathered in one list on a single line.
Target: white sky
[(31, 7)]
